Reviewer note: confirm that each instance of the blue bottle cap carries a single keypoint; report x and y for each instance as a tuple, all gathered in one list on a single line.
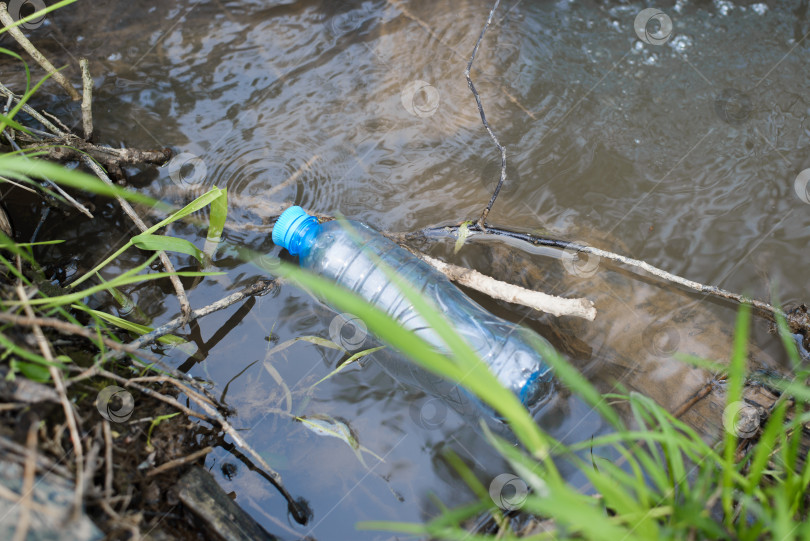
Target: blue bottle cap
[(287, 224)]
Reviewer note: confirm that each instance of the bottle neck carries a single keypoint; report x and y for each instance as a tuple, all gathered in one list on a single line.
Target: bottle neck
[(304, 237)]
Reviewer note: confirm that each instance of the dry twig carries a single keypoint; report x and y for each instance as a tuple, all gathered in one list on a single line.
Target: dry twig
[(15, 32), (56, 375), (260, 287), (177, 462), (87, 99), (483, 219), (81, 208)]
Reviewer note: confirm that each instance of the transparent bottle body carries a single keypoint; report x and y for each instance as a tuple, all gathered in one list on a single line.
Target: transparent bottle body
[(347, 257)]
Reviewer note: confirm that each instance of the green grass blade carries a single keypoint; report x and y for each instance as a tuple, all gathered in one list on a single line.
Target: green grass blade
[(734, 387), (26, 167), (217, 216), (156, 243), (25, 97), (192, 207), (25, 66), (117, 282), (168, 339)]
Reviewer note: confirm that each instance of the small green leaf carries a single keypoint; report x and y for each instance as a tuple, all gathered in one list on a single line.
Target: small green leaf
[(32, 371), (146, 241), (217, 217)]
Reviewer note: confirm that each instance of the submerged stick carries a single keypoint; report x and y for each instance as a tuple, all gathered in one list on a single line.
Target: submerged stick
[(15, 32), (497, 289), (483, 219)]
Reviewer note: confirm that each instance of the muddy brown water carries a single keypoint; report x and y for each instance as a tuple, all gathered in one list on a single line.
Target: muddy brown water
[(685, 154)]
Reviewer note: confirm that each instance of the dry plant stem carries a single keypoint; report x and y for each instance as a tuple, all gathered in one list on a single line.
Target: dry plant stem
[(90, 464), (69, 414), (483, 219), (31, 111), (38, 507), (28, 482), (497, 289), (87, 99), (70, 147), (183, 388), (44, 464), (63, 145), (179, 462), (210, 414), (15, 32)]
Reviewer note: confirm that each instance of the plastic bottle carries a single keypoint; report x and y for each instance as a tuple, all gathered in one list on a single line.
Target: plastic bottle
[(342, 255)]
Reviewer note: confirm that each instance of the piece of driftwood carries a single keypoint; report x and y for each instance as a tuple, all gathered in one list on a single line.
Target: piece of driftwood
[(219, 515)]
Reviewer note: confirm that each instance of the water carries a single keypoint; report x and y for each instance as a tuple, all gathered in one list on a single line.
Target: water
[(352, 255), (683, 154)]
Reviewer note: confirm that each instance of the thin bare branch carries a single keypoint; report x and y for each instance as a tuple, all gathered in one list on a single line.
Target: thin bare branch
[(482, 221), (81, 208), (260, 287), (87, 99), (73, 428), (177, 462), (15, 32)]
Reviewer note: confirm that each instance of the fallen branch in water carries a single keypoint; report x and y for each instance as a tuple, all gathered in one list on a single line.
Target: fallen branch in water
[(557, 306), (798, 322), (70, 147)]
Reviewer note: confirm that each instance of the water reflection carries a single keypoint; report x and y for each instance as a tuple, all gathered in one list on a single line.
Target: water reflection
[(364, 105)]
